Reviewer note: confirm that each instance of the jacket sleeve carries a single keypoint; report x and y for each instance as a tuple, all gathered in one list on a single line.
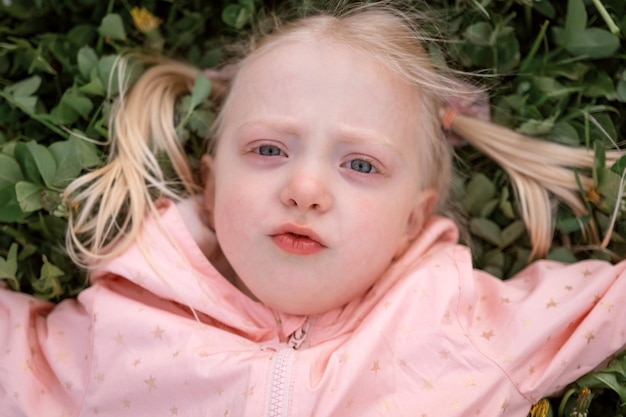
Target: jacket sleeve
[(550, 324), (44, 355)]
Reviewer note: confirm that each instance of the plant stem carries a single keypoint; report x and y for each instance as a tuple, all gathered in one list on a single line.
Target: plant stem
[(607, 18), (535, 47)]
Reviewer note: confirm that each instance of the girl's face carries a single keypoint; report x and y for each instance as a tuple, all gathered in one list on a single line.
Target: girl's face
[(315, 186)]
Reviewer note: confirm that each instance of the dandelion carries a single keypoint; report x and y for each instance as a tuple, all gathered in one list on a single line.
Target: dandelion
[(541, 409), (592, 195), (144, 21)]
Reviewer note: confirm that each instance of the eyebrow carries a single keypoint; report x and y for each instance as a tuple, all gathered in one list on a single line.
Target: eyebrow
[(346, 135), (359, 136)]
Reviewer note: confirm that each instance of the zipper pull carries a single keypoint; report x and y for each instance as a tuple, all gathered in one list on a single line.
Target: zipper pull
[(297, 338)]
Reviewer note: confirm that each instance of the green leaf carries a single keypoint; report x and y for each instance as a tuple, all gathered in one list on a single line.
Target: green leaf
[(36, 161), (571, 224), (599, 164), (113, 27), (48, 285), (593, 43), (28, 196), (87, 152), (619, 166), (621, 91), (575, 20), (236, 15), (486, 229), (562, 254), (10, 172), (10, 210), (479, 34), (8, 267), (28, 104), (109, 76), (600, 86), (478, 191), (536, 127), (69, 166), (87, 60), (201, 90), (24, 88), (511, 233)]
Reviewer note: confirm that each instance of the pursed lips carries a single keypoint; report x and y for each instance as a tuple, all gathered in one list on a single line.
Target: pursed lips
[(297, 240)]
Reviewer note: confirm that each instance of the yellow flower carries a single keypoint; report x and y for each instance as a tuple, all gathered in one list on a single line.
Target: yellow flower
[(592, 195), (541, 409), (144, 20)]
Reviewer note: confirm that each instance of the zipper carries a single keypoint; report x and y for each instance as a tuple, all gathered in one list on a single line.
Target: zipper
[(281, 374), (281, 383)]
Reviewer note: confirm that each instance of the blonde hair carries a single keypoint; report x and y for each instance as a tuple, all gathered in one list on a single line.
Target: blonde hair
[(113, 201)]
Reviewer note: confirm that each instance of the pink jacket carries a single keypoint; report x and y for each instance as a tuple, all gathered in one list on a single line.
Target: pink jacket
[(432, 338)]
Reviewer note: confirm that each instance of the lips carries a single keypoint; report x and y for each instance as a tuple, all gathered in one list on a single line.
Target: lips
[(297, 240)]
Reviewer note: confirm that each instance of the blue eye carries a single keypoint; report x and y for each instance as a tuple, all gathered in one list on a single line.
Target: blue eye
[(362, 166), (269, 150)]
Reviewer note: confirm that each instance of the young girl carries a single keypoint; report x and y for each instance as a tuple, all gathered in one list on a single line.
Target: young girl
[(313, 275)]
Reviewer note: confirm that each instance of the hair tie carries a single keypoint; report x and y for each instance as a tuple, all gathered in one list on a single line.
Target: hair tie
[(449, 114)]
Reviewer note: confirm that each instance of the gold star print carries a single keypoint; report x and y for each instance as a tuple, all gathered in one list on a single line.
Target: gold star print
[(607, 306), (402, 362), (158, 333), (100, 377), (151, 383), (444, 353), (589, 336), (428, 385), (349, 403), (174, 411), (505, 405), (68, 385), (531, 369), (487, 335), (469, 382), (569, 287), (505, 300), (226, 413), (219, 391), (61, 357), (126, 403), (551, 303), (249, 392), (136, 362), (175, 354), (119, 338), (586, 273), (95, 411), (375, 367)]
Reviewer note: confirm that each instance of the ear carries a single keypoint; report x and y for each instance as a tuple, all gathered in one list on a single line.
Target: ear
[(422, 210), (208, 181)]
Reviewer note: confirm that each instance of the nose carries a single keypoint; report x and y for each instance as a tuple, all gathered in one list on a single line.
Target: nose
[(307, 190)]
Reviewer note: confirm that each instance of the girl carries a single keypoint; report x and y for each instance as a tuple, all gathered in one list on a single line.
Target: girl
[(314, 274)]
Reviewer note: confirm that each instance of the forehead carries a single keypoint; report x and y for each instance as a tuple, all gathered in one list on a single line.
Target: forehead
[(320, 77)]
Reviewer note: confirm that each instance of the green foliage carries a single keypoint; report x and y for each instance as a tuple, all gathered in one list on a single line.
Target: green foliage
[(556, 69)]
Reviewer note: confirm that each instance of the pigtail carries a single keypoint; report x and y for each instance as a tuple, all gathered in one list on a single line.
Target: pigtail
[(108, 205), (536, 168)]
